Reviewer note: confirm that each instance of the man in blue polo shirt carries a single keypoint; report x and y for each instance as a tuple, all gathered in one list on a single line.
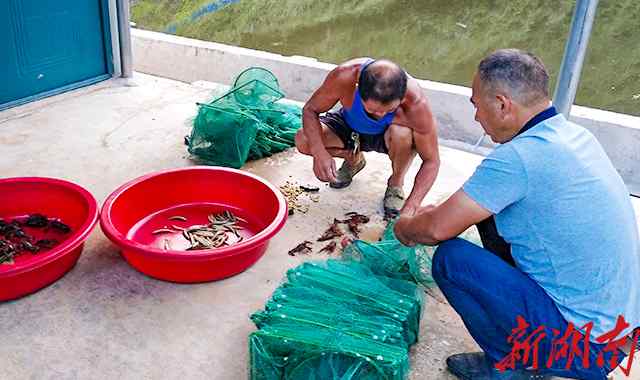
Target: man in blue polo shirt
[(565, 242)]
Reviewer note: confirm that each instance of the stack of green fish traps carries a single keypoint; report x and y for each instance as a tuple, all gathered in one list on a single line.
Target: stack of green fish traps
[(337, 320)]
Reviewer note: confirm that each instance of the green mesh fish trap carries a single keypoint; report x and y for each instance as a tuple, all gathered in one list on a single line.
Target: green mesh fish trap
[(388, 257), (246, 123), (336, 320)]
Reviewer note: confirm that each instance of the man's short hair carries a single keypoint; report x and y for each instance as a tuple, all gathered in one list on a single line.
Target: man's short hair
[(382, 81), (520, 75)]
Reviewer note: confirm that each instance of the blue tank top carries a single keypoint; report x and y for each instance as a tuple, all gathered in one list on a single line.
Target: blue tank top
[(357, 118)]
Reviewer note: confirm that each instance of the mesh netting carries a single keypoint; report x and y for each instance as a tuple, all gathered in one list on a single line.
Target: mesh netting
[(336, 320), (245, 123), (302, 354), (348, 319), (390, 258)]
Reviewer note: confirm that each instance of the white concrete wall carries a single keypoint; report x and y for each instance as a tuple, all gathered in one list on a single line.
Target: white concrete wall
[(190, 60)]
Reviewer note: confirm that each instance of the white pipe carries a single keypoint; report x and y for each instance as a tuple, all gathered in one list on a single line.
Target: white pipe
[(124, 27), (574, 53), (115, 38)]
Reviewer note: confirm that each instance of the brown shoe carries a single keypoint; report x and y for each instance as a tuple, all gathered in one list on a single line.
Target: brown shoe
[(393, 201), (345, 174)]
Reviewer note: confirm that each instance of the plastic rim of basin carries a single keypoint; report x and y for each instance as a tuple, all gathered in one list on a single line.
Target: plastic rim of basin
[(28, 276), (240, 255)]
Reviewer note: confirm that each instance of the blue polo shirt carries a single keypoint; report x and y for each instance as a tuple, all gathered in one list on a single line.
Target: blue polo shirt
[(562, 206)]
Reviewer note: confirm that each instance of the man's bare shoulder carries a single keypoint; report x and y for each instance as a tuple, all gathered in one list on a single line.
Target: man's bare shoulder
[(414, 91), (353, 63), (416, 107), (347, 72), (342, 79)]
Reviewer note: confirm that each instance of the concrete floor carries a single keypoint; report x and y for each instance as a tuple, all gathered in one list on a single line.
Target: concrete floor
[(104, 320)]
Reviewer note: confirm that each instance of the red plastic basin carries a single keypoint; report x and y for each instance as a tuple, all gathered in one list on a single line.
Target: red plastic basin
[(54, 198), (133, 211)]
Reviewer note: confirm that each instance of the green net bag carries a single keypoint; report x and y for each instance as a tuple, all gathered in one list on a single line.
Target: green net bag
[(222, 136), (361, 321), (399, 300), (304, 298), (356, 282), (278, 130), (255, 87), (390, 258), (245, 123), (336, 320), (353, 318), (302, 354)]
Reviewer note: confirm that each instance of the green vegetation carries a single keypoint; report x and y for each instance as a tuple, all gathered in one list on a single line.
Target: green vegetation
[(433, 39), (157, 15)]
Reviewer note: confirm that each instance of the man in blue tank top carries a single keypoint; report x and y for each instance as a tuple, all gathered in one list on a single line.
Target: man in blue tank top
[(565, 255), (383, 110)]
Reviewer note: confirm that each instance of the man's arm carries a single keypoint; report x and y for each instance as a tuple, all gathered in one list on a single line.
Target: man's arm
[(498, 182), (432, 225), (426, 143), (322, 100)]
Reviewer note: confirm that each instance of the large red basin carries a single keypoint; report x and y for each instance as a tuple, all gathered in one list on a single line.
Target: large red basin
[(133, 211), (54, 198)]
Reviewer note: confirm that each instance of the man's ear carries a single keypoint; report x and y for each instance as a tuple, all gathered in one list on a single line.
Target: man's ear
[(504, 105)]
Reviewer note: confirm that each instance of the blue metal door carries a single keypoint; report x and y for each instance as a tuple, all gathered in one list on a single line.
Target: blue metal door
[(47, 47)]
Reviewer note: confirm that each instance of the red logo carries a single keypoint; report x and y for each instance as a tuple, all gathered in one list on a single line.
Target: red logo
[(572, 344)]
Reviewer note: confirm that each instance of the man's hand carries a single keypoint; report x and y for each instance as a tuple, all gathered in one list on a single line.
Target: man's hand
[(425, 209), (339, 81), (409, 209), (401, 230), (324, 167), (406, 220), (433, 224)]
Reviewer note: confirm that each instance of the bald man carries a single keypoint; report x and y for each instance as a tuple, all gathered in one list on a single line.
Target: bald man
[(383, 110)]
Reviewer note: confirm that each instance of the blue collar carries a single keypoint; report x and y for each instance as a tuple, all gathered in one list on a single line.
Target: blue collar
[(539, 118)]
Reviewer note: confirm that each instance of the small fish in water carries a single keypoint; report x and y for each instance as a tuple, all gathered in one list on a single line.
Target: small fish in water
[(59, 226), (37, 221), (27, 246), (17, 241), (10, 230), (216, 234), (46, 243), (7, 252), (162, 231)]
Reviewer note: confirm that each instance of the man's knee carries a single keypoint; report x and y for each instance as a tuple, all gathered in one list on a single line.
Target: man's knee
[(301, 142), (399, 138), (449, 255)]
